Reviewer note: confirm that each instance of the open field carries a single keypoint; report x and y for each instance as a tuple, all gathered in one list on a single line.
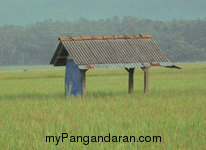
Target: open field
[(33, 106)]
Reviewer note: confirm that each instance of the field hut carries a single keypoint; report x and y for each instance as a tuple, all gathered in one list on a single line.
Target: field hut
[(80, 54)]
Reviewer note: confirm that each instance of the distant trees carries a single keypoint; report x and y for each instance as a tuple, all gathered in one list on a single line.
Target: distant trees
[(181, 40)]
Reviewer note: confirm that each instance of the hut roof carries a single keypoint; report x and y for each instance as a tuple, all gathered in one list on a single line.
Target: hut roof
[(120, 51)]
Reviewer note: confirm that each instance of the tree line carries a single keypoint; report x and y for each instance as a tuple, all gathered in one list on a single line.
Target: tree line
[(180, 40)]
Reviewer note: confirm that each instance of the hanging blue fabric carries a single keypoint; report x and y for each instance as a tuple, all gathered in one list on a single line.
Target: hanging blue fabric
[(72, 79)]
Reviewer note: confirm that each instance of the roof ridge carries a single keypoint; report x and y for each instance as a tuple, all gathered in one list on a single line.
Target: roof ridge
[(140, 36)]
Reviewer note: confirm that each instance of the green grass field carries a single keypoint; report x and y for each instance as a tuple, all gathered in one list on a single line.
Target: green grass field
[(33, 106)]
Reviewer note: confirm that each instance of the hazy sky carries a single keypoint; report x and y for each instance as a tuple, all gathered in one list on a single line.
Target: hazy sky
[(22, 12)]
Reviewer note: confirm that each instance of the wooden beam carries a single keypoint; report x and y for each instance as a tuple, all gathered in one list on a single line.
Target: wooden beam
[(83, 82), (126, 69), (130, 84), (146, 79), (59, 52)]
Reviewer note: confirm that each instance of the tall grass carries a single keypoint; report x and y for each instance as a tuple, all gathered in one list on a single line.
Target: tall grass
[(33, 106)]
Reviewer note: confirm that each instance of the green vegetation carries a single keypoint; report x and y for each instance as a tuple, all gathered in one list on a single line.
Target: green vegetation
[(33, 106), (180, 40)]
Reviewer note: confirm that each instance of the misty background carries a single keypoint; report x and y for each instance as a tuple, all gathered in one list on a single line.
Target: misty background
[(29, 30)]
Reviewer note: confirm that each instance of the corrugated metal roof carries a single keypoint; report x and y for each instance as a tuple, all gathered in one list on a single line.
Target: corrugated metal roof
[(110, 51)]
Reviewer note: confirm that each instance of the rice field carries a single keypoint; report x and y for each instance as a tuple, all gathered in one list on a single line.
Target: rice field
[(33, 106)]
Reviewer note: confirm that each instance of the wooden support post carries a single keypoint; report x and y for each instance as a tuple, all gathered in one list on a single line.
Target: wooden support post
[(130, 84), (146, 79), (83, 81)]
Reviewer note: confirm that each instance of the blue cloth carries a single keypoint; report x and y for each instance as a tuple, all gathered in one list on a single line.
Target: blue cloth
[(72, 79)]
